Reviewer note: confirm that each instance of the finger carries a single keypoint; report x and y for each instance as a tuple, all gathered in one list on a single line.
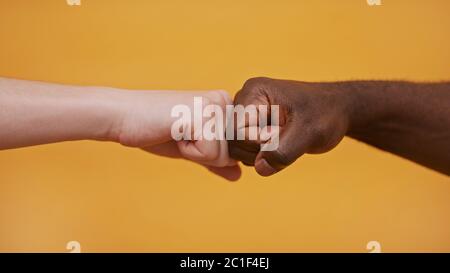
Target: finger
[(224, 158), (231, 173), (250, 145), (292, 145), (245, 156), (200, 150), (263, 138)]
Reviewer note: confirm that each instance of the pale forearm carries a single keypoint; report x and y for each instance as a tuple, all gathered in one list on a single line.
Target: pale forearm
[(34, 113)]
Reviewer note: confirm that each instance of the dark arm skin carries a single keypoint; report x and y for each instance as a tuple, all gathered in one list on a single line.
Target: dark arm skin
[(411, 120)]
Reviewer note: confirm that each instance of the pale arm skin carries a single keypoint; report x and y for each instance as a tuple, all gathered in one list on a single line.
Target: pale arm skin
[(33, 113)]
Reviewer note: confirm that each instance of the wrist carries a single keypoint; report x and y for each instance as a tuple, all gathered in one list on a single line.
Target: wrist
[(342, 100), (141, 118), (107, 110), (367, 105)]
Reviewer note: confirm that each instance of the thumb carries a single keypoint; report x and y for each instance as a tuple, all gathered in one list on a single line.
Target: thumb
[(291, 146)]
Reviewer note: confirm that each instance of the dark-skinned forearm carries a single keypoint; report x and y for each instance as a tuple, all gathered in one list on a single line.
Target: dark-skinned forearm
[(411, 120)]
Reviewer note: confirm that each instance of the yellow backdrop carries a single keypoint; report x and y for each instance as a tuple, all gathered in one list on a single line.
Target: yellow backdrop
[(111, 198)]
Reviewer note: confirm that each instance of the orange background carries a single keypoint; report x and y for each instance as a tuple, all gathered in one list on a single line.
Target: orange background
[(112, 198)]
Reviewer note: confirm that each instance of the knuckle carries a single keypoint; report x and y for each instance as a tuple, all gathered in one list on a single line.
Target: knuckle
[(252, 90), (225, 97), (207, 100), (255, 83), (216, 97)]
